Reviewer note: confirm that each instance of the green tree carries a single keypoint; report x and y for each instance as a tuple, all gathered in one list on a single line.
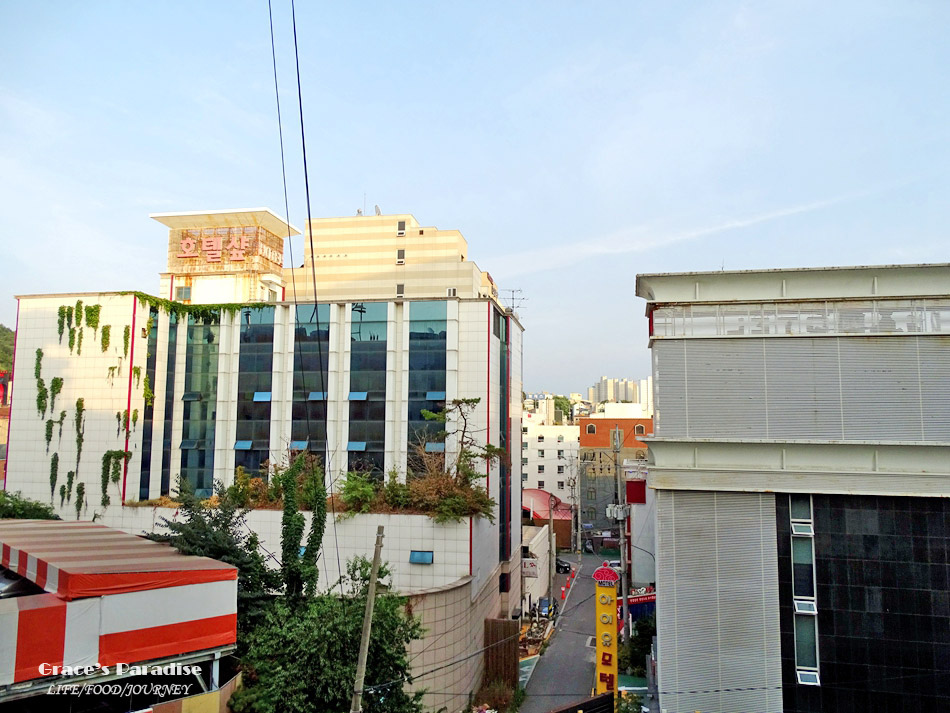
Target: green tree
[(563, 404), (6, 348), (300, 568), (15, 506), (302, 659), (220, 532)]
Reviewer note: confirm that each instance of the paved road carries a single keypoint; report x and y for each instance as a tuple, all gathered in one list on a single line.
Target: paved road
[(566, 671)]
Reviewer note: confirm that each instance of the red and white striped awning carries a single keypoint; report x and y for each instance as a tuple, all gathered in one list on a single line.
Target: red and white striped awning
[(112, 598)]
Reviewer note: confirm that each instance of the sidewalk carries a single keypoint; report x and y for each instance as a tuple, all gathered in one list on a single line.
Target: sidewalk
[(565, 672)]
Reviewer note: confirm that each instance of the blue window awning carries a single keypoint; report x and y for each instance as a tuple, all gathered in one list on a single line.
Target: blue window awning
[(355, 446), (243, 445), (358, 396), (317, 396), (190, 444), (299, 445), (435, 396), (191, 396), (262, 395), (435, 448)]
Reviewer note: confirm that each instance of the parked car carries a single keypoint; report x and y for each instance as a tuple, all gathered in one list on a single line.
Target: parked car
[(615, 564), (561, 566), (544, 605)]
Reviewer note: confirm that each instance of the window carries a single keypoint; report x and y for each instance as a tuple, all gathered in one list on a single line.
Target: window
[(400, 289), (560, 469), (451, 292), (524, 429), (540, 439), (524, 445), (524, 477), (400, 257), (401, 228), (591, 428), (591, 513), (420, 557), (524, 461), (540, 454), (541, 484), (591, 494), (560, 454), (560, 439), (803, 590), (560, 485), (639, 430), (540, 468), (182, 293)]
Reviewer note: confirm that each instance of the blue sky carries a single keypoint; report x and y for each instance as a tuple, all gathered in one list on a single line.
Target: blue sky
[(573, 144)]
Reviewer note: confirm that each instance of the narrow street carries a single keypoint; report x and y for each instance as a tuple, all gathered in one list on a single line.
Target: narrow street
[(565, 672)]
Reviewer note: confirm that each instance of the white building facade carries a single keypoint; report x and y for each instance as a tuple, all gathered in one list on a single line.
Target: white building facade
[(801, 462), (118, 395), (549, 458)]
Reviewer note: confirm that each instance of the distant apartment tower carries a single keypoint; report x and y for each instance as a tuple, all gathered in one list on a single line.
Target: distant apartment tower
[(801, 462), (549, 458), (622, 390)]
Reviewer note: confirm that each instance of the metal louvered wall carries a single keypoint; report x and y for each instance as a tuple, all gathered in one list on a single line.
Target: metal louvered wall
[(824, 388), (718, 618)]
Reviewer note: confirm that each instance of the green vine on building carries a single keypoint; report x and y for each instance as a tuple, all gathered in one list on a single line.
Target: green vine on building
[(112, 471), (53, 475), (61, 322), (80, 427), (126, 335), (205, 313), (80, 498), (92, 316), (55, 386), (105, 337)]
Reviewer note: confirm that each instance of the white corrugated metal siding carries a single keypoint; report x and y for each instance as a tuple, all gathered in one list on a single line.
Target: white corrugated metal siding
[(717, 608), (824, 388)]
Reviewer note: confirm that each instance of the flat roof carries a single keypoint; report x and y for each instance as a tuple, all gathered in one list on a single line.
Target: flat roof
[(85, 559), (232, 218)]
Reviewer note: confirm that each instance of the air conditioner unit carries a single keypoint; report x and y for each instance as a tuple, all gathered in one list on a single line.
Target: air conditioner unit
[(400, 233), (400, 262)]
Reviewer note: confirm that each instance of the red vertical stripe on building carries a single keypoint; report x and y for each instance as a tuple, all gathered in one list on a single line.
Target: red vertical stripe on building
[(128, 407), (488, 400), (9, 393), (41, 573)]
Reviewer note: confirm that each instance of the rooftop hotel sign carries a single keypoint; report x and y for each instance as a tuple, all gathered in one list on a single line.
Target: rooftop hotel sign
[(247, 248)]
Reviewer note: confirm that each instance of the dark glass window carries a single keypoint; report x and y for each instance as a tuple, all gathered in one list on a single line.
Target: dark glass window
[(368, 332), (427, 349), (198, 422), (169, 405), (311, 355), (148, 411), (255, 366)]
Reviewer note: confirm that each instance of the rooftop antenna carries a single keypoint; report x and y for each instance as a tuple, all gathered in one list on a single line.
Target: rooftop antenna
[(514, 299), (378, 212)]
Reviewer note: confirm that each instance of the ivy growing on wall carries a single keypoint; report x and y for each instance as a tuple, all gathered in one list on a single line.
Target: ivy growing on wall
[(118, 423), (80, 410), (42, 396), (38, 364), (80, 498), (106, 337), (55, 386), (79, 344), (53, 475), (205, 314), (135, 417), (49, 432), (147, 393), (61, 322), (72, 339), (78, 313), (112, 471), (70, 476), (92, 316), (62, 494), (137, 375), (62, 419), (112, 370), (69, 317), (125, 420), (126, 335)]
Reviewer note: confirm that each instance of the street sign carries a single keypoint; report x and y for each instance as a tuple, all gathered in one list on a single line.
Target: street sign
[(606, 629)]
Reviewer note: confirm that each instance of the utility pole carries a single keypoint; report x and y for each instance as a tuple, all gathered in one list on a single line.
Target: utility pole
[(357, 703), (617, 439)]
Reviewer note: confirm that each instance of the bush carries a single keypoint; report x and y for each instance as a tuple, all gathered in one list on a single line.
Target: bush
[(15, 506), (358, 492), (500, 697), (396, 494)]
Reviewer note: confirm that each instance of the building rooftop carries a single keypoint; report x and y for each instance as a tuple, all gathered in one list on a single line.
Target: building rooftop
[(232, 218)]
